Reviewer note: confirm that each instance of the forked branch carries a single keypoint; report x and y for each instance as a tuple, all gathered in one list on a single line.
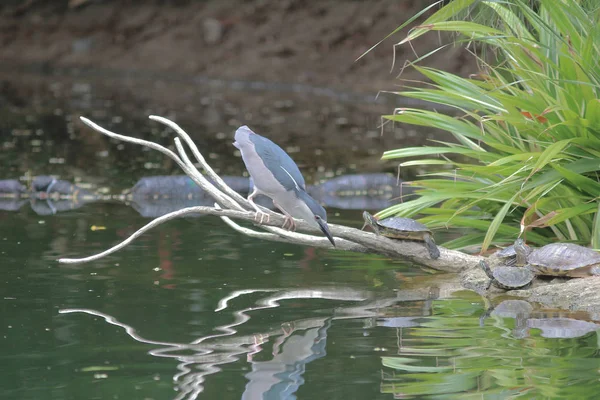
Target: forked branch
[(229, 204)]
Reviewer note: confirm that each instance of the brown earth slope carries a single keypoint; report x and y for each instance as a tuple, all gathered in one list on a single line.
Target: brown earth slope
[(292, 41)]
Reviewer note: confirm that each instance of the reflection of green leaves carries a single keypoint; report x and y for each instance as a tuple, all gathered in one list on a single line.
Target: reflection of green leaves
[(451, 355), (435, 383), (405, 364)]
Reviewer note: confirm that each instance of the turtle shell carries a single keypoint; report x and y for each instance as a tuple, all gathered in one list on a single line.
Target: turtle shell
[(511, 252), (564, 259), (508, 255), (506, 252), (400, 227), (512, 277)]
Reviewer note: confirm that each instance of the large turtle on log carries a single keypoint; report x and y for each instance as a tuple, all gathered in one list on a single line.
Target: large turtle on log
[(562, 259)]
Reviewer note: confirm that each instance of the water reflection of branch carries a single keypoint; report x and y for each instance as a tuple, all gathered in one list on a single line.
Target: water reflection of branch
[(223, 302), (205, 355), (113, 321)]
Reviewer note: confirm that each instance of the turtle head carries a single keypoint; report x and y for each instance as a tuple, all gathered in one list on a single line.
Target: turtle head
[(371, 221), (522, 251), (486, 268)]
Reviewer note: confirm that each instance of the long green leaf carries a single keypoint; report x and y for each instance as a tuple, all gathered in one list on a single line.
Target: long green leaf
[(550, 153), (406, 23), (596, 230), (467, 28), (592, 187), (423, 151), (495, 225)]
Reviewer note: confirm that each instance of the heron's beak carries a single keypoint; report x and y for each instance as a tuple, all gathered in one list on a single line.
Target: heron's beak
[(325, 229)]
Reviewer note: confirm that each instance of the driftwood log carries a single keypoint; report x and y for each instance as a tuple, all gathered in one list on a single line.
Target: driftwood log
[(574, 294), (230, 205)]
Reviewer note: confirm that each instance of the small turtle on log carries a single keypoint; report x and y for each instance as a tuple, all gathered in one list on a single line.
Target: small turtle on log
[(404, 229), (515, 254), (507, 277)]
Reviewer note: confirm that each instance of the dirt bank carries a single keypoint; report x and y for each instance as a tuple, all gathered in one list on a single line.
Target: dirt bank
[(292, 41)]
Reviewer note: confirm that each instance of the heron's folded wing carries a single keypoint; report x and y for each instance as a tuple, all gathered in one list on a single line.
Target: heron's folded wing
[(280, 164)]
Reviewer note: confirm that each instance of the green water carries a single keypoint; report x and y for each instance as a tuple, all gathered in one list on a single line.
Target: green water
[(141, 324), (194, 310)]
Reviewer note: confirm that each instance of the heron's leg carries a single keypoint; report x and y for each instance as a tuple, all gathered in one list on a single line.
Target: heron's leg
[(260, 215), (258, 340), (288, 218), (288, 328), (50, 186)]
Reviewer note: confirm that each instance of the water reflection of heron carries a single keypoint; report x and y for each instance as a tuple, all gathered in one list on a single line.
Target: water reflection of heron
[(280, 377)]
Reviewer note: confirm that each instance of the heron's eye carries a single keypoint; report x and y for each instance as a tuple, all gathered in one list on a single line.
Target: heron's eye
[(317, 217)]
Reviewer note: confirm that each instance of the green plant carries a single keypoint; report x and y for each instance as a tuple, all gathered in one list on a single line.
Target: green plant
[(527, 128)]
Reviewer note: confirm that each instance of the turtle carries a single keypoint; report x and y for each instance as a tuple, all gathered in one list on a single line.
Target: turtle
[(507, 277), (562, 259), (510, 256), (404, 229)]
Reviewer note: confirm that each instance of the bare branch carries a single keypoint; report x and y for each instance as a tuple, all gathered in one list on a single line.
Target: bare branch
[(351, 240), (191, 171), (205, 184), (155, 222), (141, 142), (277, 219), (298, 238), (207, 168), (252, 232), (347, 238)]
